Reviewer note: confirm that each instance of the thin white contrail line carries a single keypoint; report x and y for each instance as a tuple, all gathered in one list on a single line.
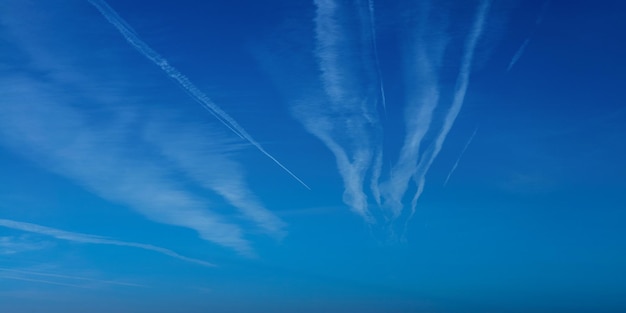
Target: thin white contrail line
[(93, 239), (460, 156), (376, 58), (184, 82)]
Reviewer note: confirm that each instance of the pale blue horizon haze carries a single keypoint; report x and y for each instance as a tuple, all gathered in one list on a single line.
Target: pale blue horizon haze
[(312, 156)]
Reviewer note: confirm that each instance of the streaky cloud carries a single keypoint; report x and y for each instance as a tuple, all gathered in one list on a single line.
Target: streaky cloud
[(35, 121), (93, 239), (346, 119), (423, 100), (372, 22), (194, 92), (456, 164)]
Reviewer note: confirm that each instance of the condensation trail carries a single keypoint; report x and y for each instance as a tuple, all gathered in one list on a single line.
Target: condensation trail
[(132, 38), (376, 58), (457, 101), (460, 156)]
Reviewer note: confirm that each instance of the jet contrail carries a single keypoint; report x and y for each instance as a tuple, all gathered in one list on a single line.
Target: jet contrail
[(457, 101), (131, 37), (376, 58), (460, 156), (518, 54), (93, 239), (522, 48)]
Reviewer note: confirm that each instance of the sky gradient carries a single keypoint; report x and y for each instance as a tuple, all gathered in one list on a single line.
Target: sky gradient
[(312, 156)]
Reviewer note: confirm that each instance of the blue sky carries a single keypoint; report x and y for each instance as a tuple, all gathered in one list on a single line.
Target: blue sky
[(323, 155)]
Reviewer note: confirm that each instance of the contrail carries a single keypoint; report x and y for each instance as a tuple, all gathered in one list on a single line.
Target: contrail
[(522, 48), (518, 54), (457, 101), (376, 58), (460, 156), (132, 38), (93, 239)]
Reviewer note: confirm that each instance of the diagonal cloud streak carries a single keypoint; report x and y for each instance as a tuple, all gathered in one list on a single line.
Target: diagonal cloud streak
[(133, 39), (93, 239), (456, 164)]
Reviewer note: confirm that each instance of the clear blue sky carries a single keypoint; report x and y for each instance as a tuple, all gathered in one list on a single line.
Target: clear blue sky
[(312, 156)]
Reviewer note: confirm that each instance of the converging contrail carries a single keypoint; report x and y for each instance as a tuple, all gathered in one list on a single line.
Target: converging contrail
[(456, 164), (184, 82)]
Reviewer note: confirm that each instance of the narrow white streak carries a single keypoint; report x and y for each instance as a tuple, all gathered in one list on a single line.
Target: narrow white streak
[(207, 164), (456, 164), (182, 80), (93, 239), (376, 57), (457, 101), (68, 277), (518, 54)]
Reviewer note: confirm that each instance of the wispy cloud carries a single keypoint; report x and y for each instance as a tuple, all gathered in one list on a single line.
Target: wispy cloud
[(208, 163), (93, 239), (456, 164), (346, 118), (19, 244), (194, 92), (35, 122)]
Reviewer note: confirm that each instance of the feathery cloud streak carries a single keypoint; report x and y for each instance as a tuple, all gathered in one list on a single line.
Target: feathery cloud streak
[(93, 239), (133, 39)]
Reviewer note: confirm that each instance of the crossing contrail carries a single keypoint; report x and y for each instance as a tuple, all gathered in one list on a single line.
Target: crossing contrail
[(133, 39)]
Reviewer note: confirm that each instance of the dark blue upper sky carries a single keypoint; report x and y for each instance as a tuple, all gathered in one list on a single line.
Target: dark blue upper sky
[(312, 156)]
